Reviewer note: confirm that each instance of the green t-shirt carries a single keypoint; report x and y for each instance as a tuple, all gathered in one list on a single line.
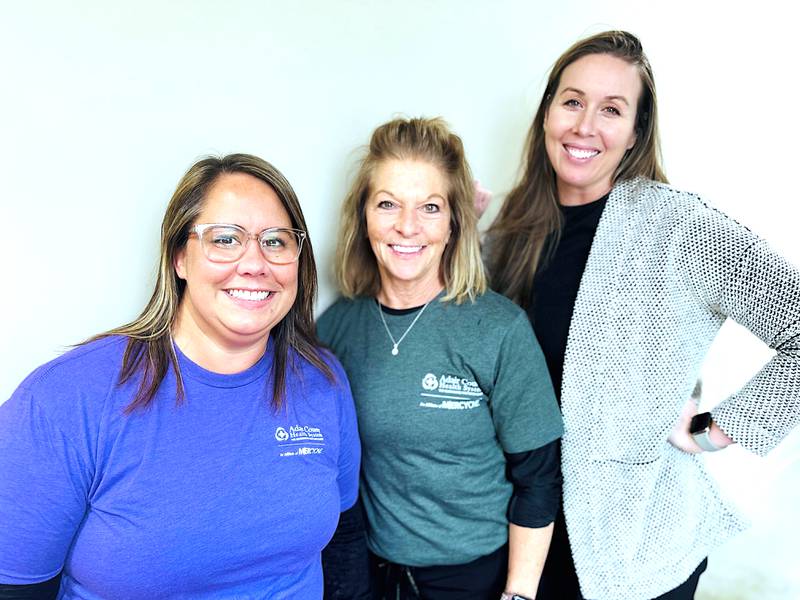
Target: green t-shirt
[(469, 382)]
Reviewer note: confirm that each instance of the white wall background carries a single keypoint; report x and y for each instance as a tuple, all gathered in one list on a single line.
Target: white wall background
[(103, 106)]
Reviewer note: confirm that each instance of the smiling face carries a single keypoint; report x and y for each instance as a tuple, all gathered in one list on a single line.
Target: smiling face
[(234, 305), (590, 124), (408, 225)]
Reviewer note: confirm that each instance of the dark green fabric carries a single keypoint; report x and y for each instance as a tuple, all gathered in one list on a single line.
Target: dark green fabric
[(469, 383)]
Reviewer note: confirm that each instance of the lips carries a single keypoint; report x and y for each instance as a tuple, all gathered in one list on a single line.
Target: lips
[(251, 295), (581, 153)]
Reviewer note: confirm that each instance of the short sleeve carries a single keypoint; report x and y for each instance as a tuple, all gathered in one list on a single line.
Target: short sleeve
[(524, 407), (349, 444), (43, 490)]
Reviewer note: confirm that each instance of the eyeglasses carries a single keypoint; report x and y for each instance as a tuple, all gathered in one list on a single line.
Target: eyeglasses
[(227, 243)]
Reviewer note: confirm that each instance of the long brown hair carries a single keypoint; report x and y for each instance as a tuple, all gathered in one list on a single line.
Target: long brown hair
[(431, 141), (149, 352), (530, 216)]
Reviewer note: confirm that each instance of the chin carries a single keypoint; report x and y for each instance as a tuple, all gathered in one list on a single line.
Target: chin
[(406, 277), (250, 331)]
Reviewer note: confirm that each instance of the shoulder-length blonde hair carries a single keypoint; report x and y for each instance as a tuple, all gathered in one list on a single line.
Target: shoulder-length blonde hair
[(530, 215), (428, 140), (149, 352)]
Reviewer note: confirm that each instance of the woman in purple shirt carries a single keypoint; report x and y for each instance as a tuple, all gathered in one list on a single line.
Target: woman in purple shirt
[(207, 448)]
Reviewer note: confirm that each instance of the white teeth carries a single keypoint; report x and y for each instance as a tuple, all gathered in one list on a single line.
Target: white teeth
[(406, 249), (581, 153), (249, 294)]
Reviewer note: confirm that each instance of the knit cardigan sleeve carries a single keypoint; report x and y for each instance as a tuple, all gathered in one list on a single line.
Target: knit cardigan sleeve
[(740, 276)]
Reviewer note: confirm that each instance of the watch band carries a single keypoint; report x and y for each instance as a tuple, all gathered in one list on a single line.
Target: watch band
[(511, 596), (703, 439)]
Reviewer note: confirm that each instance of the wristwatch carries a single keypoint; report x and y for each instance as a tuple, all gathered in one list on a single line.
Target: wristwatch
[(700, 427), (507, 596)]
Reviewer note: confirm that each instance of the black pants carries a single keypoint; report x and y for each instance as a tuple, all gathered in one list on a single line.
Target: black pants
[(482, 579), (559, 581)]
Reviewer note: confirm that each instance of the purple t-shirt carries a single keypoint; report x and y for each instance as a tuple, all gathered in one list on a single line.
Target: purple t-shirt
[(221, 496)]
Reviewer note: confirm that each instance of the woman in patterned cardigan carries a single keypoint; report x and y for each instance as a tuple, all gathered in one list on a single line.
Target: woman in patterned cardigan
[(627, 281)]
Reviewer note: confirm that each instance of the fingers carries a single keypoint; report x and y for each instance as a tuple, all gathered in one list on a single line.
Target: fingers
[(482, 198)]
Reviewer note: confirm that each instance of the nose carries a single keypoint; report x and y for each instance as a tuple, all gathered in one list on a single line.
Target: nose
[(252, 261), (407, 223), (585, 124)]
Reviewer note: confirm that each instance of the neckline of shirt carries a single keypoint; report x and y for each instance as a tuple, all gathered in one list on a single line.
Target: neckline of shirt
[(399, 312), (588, 206), (194, 371)]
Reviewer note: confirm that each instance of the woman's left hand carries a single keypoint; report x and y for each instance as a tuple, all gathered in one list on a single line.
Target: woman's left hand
[(680, 436), (683, 440)]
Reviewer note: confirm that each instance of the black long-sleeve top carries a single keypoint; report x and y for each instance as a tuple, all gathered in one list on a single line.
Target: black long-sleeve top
[(556, 284)]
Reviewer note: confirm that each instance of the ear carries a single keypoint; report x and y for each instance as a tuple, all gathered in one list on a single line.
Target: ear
[(179, 263)]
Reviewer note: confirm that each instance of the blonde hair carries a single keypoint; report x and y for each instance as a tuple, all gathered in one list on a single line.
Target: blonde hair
[(529, 222), (429, 140), (149, 352)]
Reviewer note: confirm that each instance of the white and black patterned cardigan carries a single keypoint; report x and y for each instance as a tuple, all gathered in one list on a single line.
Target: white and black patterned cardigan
[(665, 270)]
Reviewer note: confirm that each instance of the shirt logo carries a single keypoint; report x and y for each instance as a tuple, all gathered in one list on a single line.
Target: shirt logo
[(305, 433), (429, 382), (452, 392), (300, 440)]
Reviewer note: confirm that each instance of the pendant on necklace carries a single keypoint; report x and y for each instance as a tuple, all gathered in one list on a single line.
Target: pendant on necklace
[(396, 343)]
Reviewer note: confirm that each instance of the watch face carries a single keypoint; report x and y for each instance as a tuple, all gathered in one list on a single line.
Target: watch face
[(700, 423)]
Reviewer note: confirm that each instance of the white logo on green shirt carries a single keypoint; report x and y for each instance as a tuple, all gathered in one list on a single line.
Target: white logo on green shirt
[(452, 392)]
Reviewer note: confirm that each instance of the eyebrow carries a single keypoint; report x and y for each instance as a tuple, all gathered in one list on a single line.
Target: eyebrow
[(434, 195), (582, 93)]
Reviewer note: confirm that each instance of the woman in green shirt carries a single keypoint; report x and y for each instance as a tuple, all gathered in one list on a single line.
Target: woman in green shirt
[(456, 410)]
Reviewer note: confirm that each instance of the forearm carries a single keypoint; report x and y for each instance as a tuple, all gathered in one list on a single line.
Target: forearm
[(767, 408), (527, 550)]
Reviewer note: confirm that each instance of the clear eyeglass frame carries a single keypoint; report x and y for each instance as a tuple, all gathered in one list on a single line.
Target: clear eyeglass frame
[(278, 255)]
